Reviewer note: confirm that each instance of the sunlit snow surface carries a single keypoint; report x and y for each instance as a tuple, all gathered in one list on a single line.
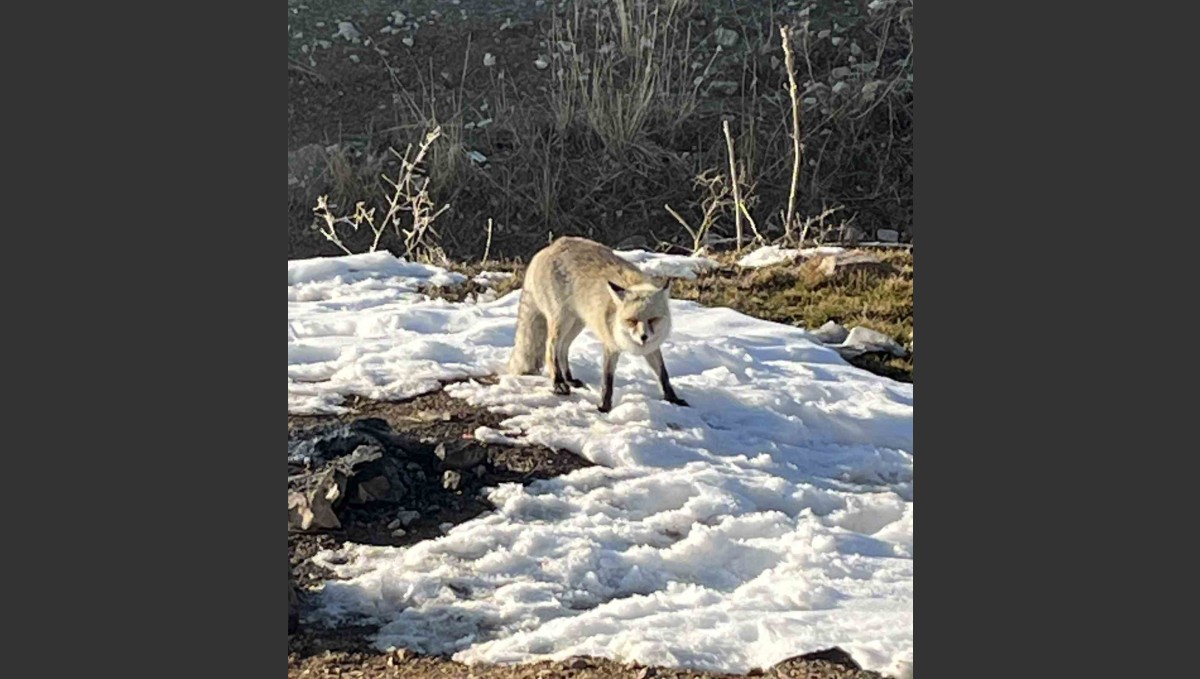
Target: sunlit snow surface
[(772, 518)]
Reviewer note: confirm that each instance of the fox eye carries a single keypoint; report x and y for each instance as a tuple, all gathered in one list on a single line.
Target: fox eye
[(631, 322)]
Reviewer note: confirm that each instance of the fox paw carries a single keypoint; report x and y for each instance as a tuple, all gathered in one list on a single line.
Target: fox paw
[(561, 388), (678, 401), (578, 384)]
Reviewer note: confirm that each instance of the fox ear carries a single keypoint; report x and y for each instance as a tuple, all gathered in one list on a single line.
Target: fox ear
[(617, 291)]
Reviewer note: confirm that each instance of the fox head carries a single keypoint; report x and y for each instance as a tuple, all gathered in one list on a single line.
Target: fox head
[(643, 318)]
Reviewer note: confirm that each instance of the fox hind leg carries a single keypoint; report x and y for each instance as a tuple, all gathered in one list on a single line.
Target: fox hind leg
[(557, 379), (564, 351)]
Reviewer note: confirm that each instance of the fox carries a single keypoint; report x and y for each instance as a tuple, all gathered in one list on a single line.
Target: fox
[(576, 283)]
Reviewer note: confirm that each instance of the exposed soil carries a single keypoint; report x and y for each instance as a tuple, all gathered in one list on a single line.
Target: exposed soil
[(431, 419)]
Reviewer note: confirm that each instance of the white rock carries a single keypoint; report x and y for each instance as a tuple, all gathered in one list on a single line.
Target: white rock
[(831, 333), (725, 37)]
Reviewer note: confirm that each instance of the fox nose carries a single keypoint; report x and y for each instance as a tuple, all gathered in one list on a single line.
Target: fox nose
[(645, 337)]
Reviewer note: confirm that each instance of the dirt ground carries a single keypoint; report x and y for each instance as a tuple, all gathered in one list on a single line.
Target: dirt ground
[(366, 76), (372, 665)]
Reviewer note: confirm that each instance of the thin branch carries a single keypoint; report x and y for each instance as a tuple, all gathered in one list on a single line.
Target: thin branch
[(737, 194)]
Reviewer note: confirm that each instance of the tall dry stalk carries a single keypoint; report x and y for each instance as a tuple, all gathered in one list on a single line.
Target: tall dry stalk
[(733, 180), (790, 60)]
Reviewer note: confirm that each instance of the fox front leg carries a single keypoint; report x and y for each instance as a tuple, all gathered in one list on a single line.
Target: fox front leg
[(655, 359), (606, 380)]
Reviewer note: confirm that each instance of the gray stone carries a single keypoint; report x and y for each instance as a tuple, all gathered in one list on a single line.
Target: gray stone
[(726, 37), (888, 235), (452, 480), (834, 655), (407, 516), (460, 454), (311, 508), (374, 490), (847, 262), (867, 341), (831, 333)]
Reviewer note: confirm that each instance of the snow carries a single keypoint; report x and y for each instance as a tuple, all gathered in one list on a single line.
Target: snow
[(671, 266), (491, 278), (768, 255), (774, 517)]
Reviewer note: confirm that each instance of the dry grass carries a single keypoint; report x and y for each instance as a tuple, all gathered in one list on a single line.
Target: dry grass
[(794, 295)]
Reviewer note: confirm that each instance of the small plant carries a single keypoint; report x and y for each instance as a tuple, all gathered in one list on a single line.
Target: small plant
[(410, 194), (717, 199)]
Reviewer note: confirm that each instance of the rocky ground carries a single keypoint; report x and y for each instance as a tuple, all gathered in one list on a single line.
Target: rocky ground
[(370, 76)]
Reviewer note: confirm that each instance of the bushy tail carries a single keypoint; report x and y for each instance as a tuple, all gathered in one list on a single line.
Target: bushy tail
[(529, 348)]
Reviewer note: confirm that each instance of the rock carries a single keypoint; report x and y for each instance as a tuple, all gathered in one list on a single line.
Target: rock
[(888, 235), (394, 524), (374, 490), (577, 663), (480, 471), (842, 263), (399, 533), (833, 655), (647, 673), (867, 341), (831, 333), (541, 63), (399, 655), (451, 480), (360, 462), (407, 516), (348, 31), (460, 454), (726, 37), (311, 508)]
